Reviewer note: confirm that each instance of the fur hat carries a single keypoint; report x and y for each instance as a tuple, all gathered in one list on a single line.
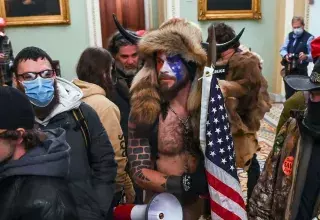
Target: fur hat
[(176, 36)]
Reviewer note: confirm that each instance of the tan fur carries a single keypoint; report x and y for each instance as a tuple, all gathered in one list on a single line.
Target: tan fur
[(176, 36), (244, 69), (247, 100)]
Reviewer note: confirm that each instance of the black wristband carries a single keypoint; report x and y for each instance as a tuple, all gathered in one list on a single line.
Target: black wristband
[(173, 184)]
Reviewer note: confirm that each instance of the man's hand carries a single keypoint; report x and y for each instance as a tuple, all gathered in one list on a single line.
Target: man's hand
[(1, 56), (302, 56)]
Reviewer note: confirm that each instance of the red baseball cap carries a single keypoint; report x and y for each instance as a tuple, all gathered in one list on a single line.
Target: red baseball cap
[(140, 33), (315, 47)]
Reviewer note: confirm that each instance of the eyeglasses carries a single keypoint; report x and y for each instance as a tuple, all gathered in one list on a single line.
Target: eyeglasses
[(28, 76)]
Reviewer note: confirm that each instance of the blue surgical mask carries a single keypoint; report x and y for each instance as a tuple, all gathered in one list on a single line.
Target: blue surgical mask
[(40, 91), (298, 31)]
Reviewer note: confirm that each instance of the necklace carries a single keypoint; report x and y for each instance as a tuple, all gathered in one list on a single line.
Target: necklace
[(184, 122)]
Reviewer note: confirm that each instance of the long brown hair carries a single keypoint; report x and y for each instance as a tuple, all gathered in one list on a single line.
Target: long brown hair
[(94, 67)]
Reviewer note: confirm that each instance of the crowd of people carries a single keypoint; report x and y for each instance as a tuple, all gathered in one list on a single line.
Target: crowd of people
[(128, 126)]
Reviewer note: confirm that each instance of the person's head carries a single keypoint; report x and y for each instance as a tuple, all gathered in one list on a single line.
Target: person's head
[(125, 54), (17, 119), (34, 75), (224, 33), (94, 66), (297, 23), (176, 44), (172, 73), (3, 24)]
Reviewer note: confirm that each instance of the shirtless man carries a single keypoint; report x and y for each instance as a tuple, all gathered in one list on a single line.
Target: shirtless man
[(164, 148)]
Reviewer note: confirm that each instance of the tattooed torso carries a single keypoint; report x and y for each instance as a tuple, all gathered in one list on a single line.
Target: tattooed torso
[(172, 158)]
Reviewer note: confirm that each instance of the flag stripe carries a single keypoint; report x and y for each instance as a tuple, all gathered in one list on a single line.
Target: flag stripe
[(214, 216), (227, 203), (225, 190), (224, 213), (223, 176)]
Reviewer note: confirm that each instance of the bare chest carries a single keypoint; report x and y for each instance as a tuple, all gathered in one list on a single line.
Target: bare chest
[(170, 135)]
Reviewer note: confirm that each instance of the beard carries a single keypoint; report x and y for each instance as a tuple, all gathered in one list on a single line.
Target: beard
[(169, 93), (128, 70), (10, 151), (43, 112)]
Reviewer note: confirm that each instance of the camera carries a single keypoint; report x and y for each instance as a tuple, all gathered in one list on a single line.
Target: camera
[(294, 58), (292, 65)]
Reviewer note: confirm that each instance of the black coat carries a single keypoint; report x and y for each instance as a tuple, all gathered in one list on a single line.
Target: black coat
[(35, 186), (121, 97), (36, 198), (92, 170)]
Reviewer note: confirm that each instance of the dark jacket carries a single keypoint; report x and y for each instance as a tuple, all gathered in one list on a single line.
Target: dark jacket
[(92, 170), (121, 97), (34, 187), (300, 45)]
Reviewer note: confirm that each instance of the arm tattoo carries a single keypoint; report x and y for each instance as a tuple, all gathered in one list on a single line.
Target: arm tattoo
[(139, 155)]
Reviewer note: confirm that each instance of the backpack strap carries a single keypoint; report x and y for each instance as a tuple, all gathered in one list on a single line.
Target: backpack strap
[(78, 115)]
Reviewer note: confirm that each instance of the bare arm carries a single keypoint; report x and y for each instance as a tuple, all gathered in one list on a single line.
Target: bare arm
[(141, 166)]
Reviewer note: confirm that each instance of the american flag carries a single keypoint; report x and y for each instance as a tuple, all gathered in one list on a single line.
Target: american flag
[(224, 186)]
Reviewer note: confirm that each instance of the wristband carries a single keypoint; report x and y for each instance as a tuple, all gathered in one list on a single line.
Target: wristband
[(173, 184)]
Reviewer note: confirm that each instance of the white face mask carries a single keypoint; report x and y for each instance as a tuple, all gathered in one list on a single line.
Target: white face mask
[(298, 31)]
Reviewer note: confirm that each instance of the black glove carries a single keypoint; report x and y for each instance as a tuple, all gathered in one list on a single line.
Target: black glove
[(191, 183)]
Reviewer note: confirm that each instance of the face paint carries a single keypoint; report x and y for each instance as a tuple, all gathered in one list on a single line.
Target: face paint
[(175, 64), (170, 67), (172, 75)]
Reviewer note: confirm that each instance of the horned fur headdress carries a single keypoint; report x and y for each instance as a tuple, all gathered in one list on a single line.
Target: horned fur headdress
[(174, 37)]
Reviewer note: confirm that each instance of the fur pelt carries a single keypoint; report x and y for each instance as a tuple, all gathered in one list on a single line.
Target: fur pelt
[(176, 36), (247, 100)]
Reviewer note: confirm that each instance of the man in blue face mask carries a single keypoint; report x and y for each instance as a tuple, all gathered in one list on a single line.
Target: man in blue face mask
[(57, 104), (296, 52)]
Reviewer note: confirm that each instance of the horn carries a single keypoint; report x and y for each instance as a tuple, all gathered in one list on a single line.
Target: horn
[(212, 49), (225, 46), (130, 37)]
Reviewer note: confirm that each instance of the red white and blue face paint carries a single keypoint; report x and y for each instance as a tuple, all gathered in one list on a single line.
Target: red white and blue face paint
[(170, 67)]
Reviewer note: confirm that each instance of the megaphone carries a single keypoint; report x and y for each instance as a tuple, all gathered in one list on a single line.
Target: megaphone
[(163, 206)]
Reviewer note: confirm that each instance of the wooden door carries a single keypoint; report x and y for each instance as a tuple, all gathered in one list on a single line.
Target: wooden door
[(130, 14)]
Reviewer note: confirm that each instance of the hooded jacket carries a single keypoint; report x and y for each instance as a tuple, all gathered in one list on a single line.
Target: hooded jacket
[(35, 187), (109, 114), (92, 170)]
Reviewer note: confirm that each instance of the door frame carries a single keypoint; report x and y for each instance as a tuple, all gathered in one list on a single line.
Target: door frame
[(94, 25), (171, 8)]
